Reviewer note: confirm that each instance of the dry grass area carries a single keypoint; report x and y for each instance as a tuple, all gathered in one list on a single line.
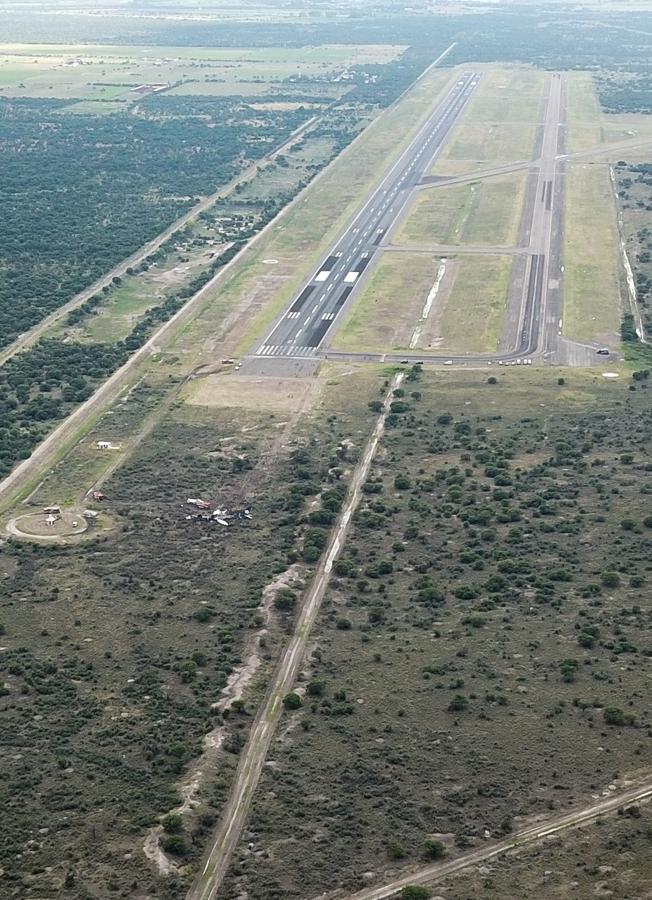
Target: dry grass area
[(253, 392)]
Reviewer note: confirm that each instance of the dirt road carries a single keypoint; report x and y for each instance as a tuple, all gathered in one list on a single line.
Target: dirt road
[(436, 872), (252, 759)]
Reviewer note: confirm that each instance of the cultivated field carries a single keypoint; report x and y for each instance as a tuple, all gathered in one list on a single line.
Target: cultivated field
[(99, 74)]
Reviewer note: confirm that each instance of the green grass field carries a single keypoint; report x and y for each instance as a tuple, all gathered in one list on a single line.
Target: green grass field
[(591, 256), (584, 116), (485, 212), (473, 316), (500, 122), (385, 314)]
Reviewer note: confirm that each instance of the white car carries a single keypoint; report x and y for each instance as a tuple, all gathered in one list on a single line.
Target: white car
[(449, 362)]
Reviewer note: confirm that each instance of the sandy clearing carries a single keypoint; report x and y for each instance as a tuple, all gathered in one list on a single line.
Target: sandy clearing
[(253, 392)]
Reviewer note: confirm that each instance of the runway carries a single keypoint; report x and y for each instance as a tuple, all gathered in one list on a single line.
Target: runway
[(302, 329)]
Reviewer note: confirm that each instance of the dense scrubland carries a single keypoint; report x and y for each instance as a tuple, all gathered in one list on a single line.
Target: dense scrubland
[(483, 651), (115, 651)]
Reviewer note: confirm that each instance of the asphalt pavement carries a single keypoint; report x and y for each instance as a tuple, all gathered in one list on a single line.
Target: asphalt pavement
[(303, 326)]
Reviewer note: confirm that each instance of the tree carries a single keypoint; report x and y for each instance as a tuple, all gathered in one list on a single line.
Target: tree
[(568, 667), (175, 844)]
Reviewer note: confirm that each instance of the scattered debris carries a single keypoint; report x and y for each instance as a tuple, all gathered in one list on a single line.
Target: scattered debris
[(200, 504)]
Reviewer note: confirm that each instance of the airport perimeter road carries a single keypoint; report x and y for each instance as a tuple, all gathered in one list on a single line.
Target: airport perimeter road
[(304, 324), (436, 872), (252, 758)]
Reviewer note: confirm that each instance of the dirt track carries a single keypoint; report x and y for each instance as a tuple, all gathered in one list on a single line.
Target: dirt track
[(252, 759), (436, 872)]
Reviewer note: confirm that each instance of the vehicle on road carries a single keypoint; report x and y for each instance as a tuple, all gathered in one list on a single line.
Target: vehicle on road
[(603, 351)]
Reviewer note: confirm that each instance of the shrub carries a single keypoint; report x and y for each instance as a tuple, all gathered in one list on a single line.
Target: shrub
[(414, 892), (172, 823), (285, 599), (613, 715), (175, 844), (610, 579), (458, 704), (316, 688), (395, 850), (292, 701), (435, 849)]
